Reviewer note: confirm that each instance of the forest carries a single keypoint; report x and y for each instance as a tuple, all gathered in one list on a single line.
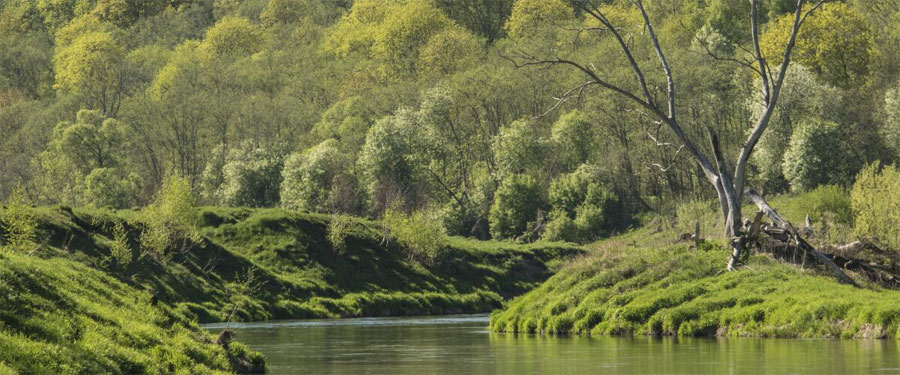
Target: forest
[(430, 107), (238, 160)]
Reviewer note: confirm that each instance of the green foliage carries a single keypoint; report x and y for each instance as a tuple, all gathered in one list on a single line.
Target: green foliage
[(674, 290), (836, 44), (251, 177), (520, 147), (120, 249), (890, 127), (390, 162), (107, 187), (528, 16), (93, 323), (802, 98), (338, 230), (817, 155), (316, 180), (20, 227), (516, 204), (232, 37), (582, 209), (93, 66), (421, 234), (875, 198), (171, 219), (573, 138), (452, 50)]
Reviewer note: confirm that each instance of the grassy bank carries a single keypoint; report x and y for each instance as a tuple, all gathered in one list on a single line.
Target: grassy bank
[(58, 316), (275, 264), (641, 283)]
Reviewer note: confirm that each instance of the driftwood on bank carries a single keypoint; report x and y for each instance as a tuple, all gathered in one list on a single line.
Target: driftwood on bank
[(783, 241)]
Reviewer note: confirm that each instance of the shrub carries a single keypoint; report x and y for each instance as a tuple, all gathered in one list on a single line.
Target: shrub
[(19, 222), (516, 203), (172, 218), (816, 156), (314, 179), (120, 250), (338, 229), (582, 209), (825, 202), (251, 177), (876, 205), (421, 234), (108, 187), (561, 228)]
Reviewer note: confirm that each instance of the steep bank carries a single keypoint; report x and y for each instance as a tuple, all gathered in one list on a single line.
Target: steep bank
[(58, 316), (274, 264), (641, 283)]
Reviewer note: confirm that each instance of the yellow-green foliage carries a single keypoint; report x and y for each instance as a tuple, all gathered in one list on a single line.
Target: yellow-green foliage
[(119, 249), (338, 229), (876, 205), (836, 42), (529, 16), (172, 217), (673, 290), (421, 234), (20, 226), (59, 316)]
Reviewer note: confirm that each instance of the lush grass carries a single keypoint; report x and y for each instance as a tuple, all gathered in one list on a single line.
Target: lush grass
[(295, 271), (58, 316), (640, 283)]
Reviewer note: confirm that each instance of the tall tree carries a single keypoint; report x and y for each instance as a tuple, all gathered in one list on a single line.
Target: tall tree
[(729, 184)]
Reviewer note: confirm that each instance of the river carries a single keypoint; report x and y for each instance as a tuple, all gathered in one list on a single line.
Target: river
[(461, 344)]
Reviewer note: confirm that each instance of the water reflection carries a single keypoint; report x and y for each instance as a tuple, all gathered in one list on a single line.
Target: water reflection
[(462, 345)]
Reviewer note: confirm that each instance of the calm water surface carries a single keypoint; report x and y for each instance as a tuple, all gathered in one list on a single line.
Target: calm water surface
[(463, 345)]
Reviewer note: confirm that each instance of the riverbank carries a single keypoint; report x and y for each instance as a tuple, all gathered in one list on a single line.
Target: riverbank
[(262, 264), (643, 284), (59, 316)]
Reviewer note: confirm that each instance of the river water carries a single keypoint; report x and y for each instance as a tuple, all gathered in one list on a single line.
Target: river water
[(461, 344)]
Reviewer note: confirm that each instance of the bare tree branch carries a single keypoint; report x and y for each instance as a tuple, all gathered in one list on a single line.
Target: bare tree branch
[(670, 82)]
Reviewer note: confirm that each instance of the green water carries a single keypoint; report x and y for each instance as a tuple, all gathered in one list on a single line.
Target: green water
[(463, 345)]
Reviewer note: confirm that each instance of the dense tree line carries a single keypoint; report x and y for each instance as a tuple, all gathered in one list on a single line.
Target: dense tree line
[(367, 106)]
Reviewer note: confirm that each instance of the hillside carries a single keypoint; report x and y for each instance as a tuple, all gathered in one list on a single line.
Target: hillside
[(275, 264), (58, 316), (642, 283)]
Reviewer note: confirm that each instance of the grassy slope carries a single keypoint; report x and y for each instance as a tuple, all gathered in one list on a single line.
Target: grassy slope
[(59, 316), (299, 275), (660, 288)]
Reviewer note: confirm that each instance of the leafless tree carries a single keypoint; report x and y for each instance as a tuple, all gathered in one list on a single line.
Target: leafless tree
[(729, 185)]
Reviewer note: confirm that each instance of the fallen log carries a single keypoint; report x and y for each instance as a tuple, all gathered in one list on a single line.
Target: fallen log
[(795, 239)]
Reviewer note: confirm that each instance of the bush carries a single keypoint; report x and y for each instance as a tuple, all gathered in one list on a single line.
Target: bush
[(108, 187), (315, 179), (876, 205), (516, 203), (582, 209), (421, 234), (816, 156), (824, 203), (120, 250), (251, 177), (19, 222), (338, 229), (172, 218)]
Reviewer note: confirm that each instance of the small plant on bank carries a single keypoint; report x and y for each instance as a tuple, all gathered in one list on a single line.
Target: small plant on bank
[(338, 230), (171, 220), (421, 234), (120, 250), (20, 225), (876, 205)]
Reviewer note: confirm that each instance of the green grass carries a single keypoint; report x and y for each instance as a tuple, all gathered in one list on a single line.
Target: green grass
[(296, 272), (641, 283), (58, 316)]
